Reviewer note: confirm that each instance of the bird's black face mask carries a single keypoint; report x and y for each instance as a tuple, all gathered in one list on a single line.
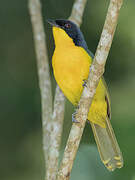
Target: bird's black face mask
[(72, 30)]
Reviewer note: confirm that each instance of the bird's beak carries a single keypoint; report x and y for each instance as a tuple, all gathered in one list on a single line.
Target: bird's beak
[(52, 22)]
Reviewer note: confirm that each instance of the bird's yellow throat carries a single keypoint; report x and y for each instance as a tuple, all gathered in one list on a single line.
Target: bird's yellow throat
[(61, 38)]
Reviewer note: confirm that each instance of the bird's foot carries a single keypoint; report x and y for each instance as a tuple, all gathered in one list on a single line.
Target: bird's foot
[(84, 83), (73, 118)]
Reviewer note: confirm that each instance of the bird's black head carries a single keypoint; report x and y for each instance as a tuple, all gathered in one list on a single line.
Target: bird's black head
[(71, 29)]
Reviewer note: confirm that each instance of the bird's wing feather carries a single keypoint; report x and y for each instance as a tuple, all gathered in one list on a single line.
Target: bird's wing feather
[(105, 138), (107, 146)]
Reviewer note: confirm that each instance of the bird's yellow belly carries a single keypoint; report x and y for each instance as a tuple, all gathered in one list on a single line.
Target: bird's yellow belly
[(70, 71)]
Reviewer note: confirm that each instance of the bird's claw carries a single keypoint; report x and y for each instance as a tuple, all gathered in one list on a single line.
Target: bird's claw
[(84, 83), (73, 118)]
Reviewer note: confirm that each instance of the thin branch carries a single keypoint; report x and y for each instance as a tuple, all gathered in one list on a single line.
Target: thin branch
[(96, 71), (55, 138), (43, 72), (52, 123), (59, 105), (77, 11)]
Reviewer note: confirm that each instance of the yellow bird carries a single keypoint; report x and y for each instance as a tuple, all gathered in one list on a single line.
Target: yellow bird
[(71, 63)]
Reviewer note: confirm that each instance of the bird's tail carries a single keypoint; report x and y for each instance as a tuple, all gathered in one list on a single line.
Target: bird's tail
[(107, 145)]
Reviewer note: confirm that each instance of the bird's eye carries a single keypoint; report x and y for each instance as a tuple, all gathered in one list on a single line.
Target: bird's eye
[(67, 25)]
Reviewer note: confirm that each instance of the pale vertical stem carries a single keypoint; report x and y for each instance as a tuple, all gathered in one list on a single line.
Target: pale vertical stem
[(77, 11), (59, 104), (43, 72), (55, 138), (52, 123), (95, 74)]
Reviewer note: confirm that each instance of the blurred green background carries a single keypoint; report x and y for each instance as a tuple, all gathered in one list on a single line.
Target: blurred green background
[(21, 155)]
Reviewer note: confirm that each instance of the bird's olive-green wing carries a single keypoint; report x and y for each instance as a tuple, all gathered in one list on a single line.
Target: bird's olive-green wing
[(105, 138), (106, 141)]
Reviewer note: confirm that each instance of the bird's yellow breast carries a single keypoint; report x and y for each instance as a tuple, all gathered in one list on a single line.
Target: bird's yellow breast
[(71, 67)]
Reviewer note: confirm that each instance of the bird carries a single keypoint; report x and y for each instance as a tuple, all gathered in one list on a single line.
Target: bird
[(71, 62)]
